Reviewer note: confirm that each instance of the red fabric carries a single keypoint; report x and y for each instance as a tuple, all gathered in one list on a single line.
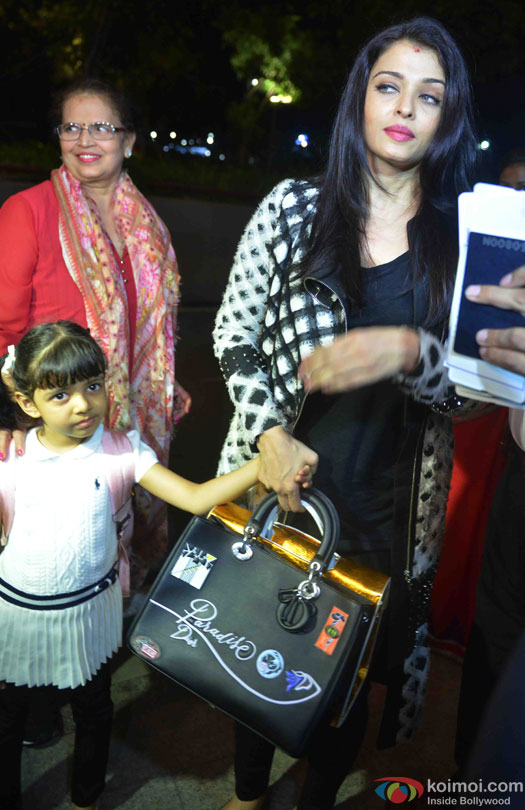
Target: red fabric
[(478, 464), (35, 286)]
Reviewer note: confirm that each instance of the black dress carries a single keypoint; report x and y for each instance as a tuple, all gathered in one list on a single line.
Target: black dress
[(359, 436)]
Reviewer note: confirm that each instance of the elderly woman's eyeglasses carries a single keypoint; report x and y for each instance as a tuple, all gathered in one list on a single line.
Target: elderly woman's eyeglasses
[(99, 130)]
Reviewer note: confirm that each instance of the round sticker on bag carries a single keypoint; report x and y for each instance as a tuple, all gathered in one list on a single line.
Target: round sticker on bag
[(146, 647), (270, 663)]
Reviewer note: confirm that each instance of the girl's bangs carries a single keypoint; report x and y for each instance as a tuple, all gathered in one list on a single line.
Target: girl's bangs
[(69, 362)]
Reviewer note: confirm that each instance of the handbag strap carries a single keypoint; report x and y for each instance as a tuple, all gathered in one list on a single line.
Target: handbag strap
[(329, 520)]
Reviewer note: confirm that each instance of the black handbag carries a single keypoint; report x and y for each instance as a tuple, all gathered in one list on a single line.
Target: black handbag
[(276, 631)]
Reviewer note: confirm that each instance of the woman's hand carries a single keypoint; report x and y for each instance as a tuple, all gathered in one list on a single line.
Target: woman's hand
[(361, 357), (503, 347), (282, 463), (19, 437), (181, 403)]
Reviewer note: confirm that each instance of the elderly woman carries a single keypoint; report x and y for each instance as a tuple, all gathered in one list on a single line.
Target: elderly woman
[(329, 338), (86, 246)]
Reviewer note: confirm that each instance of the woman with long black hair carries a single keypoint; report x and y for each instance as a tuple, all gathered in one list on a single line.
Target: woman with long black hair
[(330, 338)]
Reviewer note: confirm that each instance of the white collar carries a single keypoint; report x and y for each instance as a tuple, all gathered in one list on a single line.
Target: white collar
[(36, 451)]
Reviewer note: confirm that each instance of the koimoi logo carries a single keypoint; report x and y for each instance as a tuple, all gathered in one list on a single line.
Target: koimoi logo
[(399, 789)]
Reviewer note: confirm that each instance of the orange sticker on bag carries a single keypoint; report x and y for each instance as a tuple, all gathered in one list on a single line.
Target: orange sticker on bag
[(332, 631)]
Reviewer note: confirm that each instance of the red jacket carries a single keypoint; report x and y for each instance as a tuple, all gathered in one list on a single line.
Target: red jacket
[(35, 285)]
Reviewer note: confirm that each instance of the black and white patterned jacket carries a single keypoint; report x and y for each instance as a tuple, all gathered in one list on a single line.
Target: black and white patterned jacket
[(266, 325)]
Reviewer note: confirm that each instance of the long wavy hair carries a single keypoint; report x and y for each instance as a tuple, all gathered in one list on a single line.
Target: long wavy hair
[(339, 222)]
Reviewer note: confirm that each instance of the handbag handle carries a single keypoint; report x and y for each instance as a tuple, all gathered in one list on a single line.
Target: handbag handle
[(324, 508)]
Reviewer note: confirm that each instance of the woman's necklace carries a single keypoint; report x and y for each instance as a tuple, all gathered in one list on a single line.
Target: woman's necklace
[(122, 261)]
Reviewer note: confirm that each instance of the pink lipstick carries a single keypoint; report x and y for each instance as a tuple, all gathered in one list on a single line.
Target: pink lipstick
[(87, 158), (399, 133)]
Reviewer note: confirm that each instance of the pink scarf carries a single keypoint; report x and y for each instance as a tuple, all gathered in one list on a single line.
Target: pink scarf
[(143, 398)]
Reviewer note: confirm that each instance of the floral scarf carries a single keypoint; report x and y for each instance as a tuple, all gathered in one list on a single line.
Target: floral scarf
[(140, 398)]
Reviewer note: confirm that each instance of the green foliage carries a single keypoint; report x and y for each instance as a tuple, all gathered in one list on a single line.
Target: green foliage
[(265, 58), (189, 65)]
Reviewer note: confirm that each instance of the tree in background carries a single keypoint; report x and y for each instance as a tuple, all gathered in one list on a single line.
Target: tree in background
[(190, 65)]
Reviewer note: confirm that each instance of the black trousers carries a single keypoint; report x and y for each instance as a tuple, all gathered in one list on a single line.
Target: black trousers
[(330, 755), (93, 714)]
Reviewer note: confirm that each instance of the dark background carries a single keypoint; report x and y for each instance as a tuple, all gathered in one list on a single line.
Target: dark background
[(189, 66)]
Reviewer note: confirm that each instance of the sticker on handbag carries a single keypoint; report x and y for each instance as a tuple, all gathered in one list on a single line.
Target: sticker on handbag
[(196, 623), (331, 632), (146, 647), (298, 680), (193, 565), (270, 663)]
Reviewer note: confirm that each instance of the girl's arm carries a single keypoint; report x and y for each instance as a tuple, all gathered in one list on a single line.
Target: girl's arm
[(199, 498)]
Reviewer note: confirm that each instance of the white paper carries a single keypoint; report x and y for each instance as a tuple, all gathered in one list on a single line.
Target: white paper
[(495, 211)]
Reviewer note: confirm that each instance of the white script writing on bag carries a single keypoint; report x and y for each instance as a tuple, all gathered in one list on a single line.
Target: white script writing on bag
[(200, 616), (196, 622)]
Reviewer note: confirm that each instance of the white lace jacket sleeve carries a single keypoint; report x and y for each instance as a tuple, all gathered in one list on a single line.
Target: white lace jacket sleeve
[(429, 381), (239, 321)]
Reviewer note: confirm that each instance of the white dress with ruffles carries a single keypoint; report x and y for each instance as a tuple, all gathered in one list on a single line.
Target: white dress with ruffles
[(63, 538)]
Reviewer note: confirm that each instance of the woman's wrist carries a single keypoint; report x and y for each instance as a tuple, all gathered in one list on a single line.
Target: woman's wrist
[(275, 432), (411, 349)]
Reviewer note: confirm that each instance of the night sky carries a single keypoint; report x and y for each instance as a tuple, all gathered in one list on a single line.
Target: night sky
[(188, 64)]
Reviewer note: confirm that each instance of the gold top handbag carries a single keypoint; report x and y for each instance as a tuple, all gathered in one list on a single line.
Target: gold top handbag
[(268, 624)]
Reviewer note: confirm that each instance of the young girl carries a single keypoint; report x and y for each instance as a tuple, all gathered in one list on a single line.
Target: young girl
[(60, 598)]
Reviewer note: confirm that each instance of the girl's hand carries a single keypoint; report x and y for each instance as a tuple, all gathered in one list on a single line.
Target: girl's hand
[(19, 437), (361, 357), (282, 459), (304, 477), (503, 347)]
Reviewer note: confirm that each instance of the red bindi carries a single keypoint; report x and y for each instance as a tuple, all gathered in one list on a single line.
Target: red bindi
[(417, 50)]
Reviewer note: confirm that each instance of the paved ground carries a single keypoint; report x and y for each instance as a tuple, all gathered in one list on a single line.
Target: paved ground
[(172, 751)]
